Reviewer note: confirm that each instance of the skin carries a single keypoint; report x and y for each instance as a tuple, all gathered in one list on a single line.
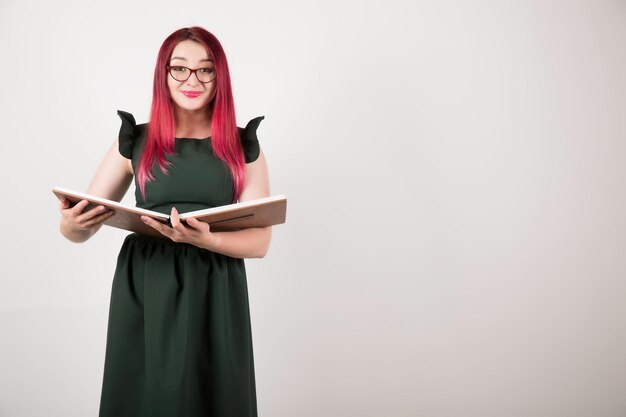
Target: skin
[(114, 176), (190, 115)]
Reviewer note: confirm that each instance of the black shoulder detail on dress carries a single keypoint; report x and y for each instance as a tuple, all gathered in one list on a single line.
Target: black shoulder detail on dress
[(127, 135), (249, 140)]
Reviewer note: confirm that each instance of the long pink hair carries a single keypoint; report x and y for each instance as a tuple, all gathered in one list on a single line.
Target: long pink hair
[(161, 129)]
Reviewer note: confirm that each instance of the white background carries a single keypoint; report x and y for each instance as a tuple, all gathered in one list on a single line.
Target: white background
[(455, 241)]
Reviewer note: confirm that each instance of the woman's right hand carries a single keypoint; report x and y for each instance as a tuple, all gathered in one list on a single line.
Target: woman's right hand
[(73, 218)]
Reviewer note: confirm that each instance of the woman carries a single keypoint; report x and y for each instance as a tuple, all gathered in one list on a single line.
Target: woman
[(179, 339)]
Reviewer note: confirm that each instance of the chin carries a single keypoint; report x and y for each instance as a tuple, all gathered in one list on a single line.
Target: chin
[(192, 107)]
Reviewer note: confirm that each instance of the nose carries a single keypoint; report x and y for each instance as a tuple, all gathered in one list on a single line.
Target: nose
[(192, 82)]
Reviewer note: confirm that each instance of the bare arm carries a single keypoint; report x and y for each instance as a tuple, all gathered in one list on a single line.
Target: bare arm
[(111, 181), (253, 242)]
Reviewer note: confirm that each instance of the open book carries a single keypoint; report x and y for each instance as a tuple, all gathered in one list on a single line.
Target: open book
[(261, 212)]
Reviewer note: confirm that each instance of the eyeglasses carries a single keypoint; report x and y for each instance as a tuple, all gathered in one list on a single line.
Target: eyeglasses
[(179, 73)]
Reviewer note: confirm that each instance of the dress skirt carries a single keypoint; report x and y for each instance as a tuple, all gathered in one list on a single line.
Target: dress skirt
[(179, 340)]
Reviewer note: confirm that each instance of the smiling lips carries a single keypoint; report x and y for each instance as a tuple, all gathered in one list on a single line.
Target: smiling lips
[(192, 94)]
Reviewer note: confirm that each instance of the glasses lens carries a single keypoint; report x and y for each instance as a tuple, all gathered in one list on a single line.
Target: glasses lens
[(179, 73), (205, 74)]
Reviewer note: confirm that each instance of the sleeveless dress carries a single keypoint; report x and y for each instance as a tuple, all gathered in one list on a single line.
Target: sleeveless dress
[(179, 340)]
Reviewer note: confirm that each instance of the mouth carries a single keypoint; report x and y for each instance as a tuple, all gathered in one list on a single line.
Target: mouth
[(192, 94)]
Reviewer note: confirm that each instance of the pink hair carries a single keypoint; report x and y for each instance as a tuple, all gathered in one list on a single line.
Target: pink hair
[(161, 129)]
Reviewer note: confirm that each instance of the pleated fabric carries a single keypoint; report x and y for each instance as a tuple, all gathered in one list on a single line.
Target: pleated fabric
[(179, 340)]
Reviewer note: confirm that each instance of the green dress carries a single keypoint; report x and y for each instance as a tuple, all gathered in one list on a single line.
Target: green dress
[(179, 340)]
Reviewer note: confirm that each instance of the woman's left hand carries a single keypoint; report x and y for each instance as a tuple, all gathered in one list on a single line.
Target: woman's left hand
[(196, 232)]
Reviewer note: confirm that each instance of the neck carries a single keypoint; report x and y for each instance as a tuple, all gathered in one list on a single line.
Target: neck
[(192, 123)]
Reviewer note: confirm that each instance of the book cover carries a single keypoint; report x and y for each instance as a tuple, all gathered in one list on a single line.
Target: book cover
[(262, 212)]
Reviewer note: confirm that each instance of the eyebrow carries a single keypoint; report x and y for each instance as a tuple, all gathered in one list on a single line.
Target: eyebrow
[(184, 59)]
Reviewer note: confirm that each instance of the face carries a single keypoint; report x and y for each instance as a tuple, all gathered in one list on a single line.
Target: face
[(192, 55)]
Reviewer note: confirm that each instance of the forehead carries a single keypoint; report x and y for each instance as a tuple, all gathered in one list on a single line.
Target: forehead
[(191, 52)]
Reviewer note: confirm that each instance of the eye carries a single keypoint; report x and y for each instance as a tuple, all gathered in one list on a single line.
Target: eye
[(178, 69), (208, 70)]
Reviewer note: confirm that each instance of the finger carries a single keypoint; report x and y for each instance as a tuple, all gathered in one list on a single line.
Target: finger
[(197, 224), (175, 220), (91, 214), (78, 208), (156, 225), (64, 203), (102, 217)]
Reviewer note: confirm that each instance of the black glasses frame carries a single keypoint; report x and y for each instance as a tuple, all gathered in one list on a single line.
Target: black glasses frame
[(191, 71)]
